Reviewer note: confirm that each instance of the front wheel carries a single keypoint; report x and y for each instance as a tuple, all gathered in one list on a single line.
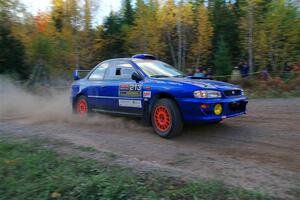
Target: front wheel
[(166, 118)]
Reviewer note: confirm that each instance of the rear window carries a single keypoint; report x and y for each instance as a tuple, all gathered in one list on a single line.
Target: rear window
[(98, 73)]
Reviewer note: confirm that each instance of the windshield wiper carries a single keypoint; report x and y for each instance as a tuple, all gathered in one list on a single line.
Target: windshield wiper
[(180, 76), (195, 77), (160, 76)]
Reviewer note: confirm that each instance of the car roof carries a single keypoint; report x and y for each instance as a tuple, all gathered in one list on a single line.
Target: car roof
[(134, 58), (127, 59)]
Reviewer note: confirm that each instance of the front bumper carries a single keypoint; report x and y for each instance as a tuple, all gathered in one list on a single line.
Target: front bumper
[(192, 112)]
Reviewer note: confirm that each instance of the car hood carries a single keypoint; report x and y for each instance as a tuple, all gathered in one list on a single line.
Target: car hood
[(205, 83)]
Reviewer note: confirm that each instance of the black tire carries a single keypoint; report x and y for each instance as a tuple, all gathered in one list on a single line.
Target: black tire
[(175, 120), (76, 109)]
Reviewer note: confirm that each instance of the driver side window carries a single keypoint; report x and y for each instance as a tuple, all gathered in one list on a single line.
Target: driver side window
[(120, 71)]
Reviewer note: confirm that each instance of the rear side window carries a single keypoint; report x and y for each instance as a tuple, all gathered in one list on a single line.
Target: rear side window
[(120, 71), (98, 73)]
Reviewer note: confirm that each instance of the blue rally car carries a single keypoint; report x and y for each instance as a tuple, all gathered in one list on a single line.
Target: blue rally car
[(148, 88)]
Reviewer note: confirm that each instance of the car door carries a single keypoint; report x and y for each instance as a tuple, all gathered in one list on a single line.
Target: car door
[(96, 85), (125, 94)]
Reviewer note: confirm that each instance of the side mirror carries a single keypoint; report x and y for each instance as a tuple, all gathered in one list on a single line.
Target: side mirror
[(76, 75), (137, 77)]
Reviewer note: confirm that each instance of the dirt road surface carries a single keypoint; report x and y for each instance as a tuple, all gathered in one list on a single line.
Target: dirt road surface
[(259, 151)]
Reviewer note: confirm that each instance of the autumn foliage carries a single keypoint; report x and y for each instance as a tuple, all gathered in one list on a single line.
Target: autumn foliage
[(187, 34)]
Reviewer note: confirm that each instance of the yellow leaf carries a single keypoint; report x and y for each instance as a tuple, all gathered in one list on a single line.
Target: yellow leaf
[(10, 162), (55, 195)]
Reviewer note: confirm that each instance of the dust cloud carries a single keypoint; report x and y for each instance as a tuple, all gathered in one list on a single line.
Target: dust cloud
[(16, 103), (21, 105)]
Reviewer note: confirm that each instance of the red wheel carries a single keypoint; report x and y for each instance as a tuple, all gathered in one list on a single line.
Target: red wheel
[(166, 118), (82, 106), (162, 118)]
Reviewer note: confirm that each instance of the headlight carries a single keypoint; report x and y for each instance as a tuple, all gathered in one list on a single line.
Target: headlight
[(207, 94)]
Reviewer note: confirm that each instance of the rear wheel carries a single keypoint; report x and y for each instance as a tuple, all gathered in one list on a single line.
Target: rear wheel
[(82, 107), (166, 118)]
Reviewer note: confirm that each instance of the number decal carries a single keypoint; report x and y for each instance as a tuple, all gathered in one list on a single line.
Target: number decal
[(130, 90)]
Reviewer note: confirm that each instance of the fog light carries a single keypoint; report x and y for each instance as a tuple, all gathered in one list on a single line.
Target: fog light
[(218, 109), (204, 106)]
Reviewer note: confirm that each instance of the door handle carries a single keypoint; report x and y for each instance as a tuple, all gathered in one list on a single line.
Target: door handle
[(103, 86)]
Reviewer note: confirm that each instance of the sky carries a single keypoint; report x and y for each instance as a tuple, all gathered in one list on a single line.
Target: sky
[(34, 6)]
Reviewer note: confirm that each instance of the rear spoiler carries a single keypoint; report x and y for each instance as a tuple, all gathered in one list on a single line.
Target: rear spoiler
[(76, 73)]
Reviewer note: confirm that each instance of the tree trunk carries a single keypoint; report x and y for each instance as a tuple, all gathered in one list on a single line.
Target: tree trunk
[(250, 37), (77, 57), (273, 62), (197, 62), (171, 48), (179, 52), (184, 52)]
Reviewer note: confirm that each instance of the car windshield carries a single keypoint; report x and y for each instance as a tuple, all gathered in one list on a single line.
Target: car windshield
[(158, 69)]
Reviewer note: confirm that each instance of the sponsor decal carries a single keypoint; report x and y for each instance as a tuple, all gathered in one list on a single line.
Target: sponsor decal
[(124, 87), (147, 94), (130, 90), (130, 103)]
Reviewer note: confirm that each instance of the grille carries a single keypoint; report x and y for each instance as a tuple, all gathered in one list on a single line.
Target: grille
[(230, 93)]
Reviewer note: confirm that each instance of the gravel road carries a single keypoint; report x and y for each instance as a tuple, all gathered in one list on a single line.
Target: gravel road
[(259, 151)]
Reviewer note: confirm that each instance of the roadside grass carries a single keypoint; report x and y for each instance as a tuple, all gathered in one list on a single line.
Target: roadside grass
[(258, 94), (275, 87), (30, 171)]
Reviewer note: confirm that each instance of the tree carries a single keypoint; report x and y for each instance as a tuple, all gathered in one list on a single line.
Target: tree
[(87, 16), (201, 48), (12, 53), (182, 32), (176, 23), (40, 49), (167, 24), (112, 37), (11, 10), (269, 32), (222, 60), (281, 26), (58, 14), (72, 15), (145, 35), (252, 38), (184, 25), (86, 37), (127, 13), (72, 20), (197, 3), (225, 23)]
